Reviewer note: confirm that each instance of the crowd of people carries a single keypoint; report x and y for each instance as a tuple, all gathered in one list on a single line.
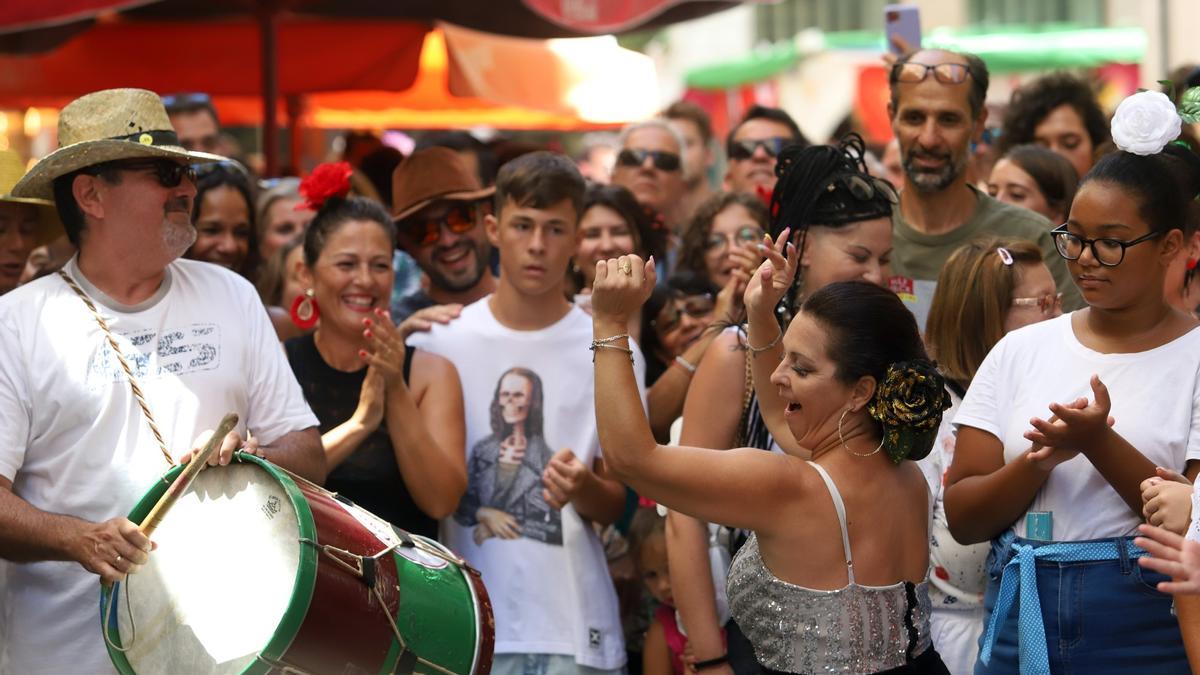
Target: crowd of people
[(925, 408)]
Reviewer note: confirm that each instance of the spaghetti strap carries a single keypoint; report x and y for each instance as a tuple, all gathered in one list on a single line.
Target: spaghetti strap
[(841, 514)]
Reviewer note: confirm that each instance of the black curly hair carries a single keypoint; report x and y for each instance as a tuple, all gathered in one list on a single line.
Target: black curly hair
[(1031, 104)]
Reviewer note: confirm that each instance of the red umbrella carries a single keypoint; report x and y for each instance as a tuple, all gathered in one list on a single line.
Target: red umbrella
[(360, 44)]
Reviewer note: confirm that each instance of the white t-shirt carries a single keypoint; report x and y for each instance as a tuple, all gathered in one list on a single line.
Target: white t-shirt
[(1155, 401), (550, 587), (74, 441)]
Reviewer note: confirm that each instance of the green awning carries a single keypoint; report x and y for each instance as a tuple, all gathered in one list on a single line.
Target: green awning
[(1004, 51)]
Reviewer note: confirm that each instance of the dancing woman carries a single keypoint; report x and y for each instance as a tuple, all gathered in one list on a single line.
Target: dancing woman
[(834, 577)]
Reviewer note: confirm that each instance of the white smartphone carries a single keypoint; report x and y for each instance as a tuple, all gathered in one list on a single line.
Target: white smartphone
[(903, 21)]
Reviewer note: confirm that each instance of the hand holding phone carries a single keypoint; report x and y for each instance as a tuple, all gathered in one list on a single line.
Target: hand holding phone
[(902, 26)]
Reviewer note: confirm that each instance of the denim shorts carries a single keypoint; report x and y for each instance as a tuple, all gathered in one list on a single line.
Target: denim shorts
[(1100, 617)]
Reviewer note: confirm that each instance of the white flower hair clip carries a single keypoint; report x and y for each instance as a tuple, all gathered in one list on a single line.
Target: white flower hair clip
[(1145, 123)]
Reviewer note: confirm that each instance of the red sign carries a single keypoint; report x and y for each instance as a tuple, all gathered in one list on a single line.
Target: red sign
[(600, 16)]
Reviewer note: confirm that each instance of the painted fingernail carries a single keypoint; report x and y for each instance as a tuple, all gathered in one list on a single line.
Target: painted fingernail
[(362, 353), (368, 333)]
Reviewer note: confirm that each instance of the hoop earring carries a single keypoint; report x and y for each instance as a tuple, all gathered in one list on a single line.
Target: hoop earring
[(305, 312), (843, 438)]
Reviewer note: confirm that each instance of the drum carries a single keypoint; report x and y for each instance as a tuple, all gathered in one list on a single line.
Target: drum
[(258, 571)]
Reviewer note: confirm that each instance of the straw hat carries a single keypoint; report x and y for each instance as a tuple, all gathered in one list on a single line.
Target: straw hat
[(104, 126), (429, 174), (11, 170)]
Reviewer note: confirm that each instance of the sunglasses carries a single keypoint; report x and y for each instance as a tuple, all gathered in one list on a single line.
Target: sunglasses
[(696, 306), (176, 102), (743, 150), (1047, 304), (946, 73), (229, 166), (168, 173), (744, 235), (864, 188), (663, 161), (425, 231)]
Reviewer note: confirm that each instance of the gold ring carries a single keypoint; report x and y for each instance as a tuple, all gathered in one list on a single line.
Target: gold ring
[(626, 267), (119, 558)]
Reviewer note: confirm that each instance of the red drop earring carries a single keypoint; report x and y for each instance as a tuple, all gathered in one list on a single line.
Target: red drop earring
[(305, 312)]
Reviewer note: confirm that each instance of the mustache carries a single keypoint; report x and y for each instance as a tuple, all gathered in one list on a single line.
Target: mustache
[(178, 204), (458, 246), (926, 154)]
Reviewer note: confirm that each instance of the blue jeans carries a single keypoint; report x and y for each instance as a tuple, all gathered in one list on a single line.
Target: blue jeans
[(1100, 616)]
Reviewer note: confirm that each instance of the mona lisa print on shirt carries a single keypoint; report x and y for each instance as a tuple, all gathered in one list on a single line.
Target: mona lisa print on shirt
[(504, 474)]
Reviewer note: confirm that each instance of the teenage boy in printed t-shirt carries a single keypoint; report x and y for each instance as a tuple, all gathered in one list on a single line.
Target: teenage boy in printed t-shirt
[(535, 478)]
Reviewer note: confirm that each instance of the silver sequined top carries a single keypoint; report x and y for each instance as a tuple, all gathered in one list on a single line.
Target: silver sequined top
[(854, 629)]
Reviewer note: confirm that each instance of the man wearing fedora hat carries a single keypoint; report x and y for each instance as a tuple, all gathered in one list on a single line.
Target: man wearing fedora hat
[(113, 369), (439, 222), (25, 223)]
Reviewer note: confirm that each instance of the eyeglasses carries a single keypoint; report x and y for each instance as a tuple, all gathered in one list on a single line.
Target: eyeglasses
[(946, 73), (1107, 251), (459, 219), (168, 173), (744, 235), (663, 161), (745, 149), (1049, 304), (696, 306), (864, 188)]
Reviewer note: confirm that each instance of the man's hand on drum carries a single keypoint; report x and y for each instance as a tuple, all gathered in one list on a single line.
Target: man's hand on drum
[(563, 478), (112, 549), (385, 349), (232, 443)]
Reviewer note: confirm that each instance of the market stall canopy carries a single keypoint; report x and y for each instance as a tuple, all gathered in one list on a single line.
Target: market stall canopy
[(298, 42), (1003, 51), (523, 18), (396, 76)]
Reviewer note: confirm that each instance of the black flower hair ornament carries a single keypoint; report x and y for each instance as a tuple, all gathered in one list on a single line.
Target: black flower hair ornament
[(908, 405)]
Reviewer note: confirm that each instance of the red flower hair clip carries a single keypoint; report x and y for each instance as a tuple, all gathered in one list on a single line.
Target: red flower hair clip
[(331, 179)]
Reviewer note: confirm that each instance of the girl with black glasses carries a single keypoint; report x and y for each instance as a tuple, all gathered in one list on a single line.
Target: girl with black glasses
[(1064, 420)]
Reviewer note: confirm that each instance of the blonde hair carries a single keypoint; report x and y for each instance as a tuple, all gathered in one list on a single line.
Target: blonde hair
[(974, 294)]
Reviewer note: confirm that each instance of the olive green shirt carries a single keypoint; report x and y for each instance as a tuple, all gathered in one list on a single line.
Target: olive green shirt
[(917, 257)]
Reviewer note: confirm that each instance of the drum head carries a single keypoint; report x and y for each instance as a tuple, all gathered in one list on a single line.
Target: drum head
[(220, 586)]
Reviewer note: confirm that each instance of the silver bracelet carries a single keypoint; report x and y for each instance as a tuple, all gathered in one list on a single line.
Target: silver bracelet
[(683, 363), (606, 343), (771, 345)]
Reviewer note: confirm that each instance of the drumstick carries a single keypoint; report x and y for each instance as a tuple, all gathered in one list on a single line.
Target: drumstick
[(184, 480)]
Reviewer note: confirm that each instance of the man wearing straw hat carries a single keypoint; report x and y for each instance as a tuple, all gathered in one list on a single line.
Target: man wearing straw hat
[(25, 223), (113, 369)]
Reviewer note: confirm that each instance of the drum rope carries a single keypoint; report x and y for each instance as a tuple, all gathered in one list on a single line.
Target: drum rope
[(332, 552), (133, 385), (108, 607)]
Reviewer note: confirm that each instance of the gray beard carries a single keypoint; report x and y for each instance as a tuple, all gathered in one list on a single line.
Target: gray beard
[(178, 239), (927, 182)]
